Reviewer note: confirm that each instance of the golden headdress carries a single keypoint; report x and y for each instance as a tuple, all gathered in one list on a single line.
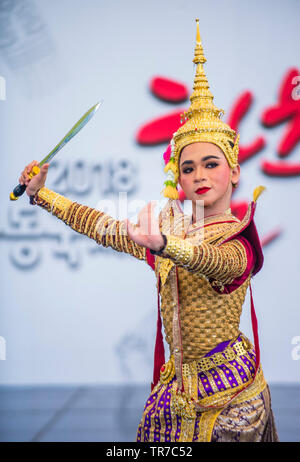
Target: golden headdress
[(202, 123)]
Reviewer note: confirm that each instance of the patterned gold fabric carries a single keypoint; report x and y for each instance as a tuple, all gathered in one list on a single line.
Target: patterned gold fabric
[(206, 317), (251, 420)]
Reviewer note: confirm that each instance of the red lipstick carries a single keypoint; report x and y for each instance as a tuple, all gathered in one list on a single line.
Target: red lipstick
[(202, 190)]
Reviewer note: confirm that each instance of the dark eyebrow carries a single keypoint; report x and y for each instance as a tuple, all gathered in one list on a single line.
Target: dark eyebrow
[(204, 159)]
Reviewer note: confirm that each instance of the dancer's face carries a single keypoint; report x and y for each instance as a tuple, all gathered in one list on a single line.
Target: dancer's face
[(204, 164)]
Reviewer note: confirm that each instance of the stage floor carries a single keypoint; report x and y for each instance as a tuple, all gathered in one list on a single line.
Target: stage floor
[(104, 413)]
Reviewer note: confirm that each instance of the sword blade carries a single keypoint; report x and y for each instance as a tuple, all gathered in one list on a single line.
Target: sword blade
[(20, 188), (71, 133)]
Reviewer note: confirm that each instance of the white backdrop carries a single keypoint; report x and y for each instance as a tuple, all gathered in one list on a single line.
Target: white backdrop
[(71, 311)]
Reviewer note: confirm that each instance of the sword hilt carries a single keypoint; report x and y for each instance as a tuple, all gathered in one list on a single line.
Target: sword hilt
[(20, 189)]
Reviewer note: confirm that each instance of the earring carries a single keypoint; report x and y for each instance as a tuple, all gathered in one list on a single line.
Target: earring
[(234, 185)]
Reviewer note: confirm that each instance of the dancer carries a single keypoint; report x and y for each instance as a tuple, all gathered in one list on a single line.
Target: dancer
[(212, 387)]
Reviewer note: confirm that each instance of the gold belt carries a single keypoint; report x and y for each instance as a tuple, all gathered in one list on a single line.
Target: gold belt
[(205, 363)]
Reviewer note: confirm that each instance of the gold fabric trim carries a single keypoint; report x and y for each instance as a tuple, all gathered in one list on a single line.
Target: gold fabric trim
[(213, 219), (177, 334)]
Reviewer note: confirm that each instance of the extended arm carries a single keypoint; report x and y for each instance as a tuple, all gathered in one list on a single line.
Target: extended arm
[(93, 223), (221, 263)]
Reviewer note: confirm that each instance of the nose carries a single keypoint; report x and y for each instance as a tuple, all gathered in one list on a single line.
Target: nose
[(199, 174)]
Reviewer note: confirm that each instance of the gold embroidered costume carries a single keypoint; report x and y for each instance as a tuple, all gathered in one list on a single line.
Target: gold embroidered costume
[(208, 317), (212, 387)]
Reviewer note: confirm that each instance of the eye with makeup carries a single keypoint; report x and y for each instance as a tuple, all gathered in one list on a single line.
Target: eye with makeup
[(189, 169)]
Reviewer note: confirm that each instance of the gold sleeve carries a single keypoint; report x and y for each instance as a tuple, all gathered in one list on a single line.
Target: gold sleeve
[(222, 263), (93, 223)]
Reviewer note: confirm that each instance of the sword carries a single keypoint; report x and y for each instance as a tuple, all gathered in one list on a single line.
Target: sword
[(19, 190)]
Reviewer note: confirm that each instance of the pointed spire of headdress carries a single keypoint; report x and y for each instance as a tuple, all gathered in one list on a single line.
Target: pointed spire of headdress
[(201, 98)]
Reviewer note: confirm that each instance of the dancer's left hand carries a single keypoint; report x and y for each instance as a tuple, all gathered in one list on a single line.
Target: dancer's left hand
[(146, 232)]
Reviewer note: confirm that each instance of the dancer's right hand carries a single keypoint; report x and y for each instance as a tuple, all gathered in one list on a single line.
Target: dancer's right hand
[(37, 181), (146, 232)]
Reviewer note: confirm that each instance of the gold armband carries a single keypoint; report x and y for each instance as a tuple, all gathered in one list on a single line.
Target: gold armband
[(222, 263), (53, 202)]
